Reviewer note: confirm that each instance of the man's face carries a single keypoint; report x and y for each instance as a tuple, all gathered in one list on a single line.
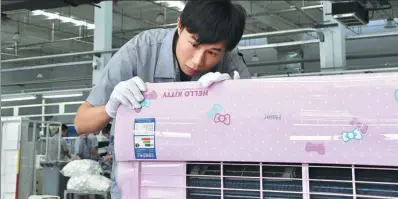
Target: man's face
[(64, 133), (194, 58)]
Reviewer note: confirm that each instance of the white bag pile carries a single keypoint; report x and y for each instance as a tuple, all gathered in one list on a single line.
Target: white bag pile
[(85, 176)]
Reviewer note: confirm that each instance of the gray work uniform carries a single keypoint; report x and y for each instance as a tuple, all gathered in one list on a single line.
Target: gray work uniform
[(149, 55), (84, 148), (53, 148), (94, 140)]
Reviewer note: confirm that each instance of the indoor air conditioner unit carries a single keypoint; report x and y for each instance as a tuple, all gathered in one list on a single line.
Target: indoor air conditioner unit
[(350, 13), (273, 138)]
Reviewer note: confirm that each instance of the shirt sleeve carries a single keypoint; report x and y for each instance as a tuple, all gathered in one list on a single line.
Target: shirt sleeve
[(94, 140), (120, 67), (64, 146), (77, 147), (234, 61)]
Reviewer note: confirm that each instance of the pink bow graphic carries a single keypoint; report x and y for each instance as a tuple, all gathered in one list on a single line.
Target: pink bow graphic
[(149, 95), (363, 128), (226, 119), (152, 95)]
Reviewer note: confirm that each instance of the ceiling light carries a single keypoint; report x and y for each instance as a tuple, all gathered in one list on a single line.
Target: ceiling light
[(62, 95), (16, 36), (64, 19), (17, 97), (255, 58), (390, 23), (173, 4), (160, 18)]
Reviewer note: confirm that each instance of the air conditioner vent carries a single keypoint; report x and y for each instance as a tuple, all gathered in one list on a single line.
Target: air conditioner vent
[(231, 180), (342, 181), (243, 180)]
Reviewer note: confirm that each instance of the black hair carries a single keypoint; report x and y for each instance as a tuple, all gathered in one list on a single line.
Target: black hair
[(107, 128), (64, 127), (214, 21)]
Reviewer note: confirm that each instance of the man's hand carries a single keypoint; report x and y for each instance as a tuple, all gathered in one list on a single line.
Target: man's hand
[(210, 78), (128, 93)]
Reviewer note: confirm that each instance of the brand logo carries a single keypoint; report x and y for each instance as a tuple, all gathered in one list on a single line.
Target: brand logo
[(273, 117), (186, 93)]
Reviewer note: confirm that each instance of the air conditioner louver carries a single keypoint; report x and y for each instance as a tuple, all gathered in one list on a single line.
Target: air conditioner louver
[(243, 180), (285, 181)]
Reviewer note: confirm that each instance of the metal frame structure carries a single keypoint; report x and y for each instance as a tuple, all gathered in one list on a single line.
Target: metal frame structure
[(26, 166), (257, 35), (43, 105)]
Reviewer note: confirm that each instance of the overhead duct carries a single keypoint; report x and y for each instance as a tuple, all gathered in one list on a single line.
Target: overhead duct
[(10, 5), (350, 13)]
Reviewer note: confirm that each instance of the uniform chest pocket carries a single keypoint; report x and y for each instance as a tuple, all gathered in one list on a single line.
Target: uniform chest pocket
[(162, 80)]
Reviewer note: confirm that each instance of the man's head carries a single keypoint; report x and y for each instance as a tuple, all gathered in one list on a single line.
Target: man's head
[(207, 30), (106, 130), (64, 129)]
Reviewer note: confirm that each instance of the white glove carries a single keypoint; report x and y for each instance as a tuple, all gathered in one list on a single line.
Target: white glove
[(128, 93), (210, 78)]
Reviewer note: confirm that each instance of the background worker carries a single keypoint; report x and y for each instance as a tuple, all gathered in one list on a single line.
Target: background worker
[(107, 159), (202, 48), (55, 141), (84, 148)]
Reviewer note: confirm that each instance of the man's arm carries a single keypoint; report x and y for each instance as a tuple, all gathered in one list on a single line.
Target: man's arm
[(64, 148), (78, 152), (91, 115), (235, 62), (94, 145)]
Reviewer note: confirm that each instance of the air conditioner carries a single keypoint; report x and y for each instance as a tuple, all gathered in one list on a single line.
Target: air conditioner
[(350, 13), (318, 137)]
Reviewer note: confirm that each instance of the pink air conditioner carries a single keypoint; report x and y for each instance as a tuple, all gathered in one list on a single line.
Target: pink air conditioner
[(319, 137)]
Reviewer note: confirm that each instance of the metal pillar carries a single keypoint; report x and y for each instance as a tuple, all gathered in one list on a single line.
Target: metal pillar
[(1, 123), (102, 37), (333, 50)]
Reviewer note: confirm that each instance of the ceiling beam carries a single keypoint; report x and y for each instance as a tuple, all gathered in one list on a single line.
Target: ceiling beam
[(272, 20)]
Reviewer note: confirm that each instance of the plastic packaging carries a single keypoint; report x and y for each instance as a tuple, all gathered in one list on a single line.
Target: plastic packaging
[(81, 167), (89, 183)]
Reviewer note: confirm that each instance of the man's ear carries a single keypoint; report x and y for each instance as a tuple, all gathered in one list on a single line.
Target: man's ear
[(179, 28)]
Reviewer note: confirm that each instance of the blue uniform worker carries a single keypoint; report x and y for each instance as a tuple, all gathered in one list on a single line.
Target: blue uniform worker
[(202, 48)]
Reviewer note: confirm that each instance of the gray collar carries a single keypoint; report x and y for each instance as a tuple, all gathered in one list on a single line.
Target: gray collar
[(167, 66)]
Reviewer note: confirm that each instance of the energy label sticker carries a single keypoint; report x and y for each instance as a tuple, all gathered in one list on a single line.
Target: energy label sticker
[(144, 138)]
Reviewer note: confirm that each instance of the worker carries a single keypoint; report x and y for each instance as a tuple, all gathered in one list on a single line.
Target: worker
[(84, 148), (106, 131), (107, 159), (201, 48), (58, 140), (94, 144)]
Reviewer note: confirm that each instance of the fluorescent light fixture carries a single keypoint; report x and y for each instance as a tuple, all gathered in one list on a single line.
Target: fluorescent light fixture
[(62, 95), (64, 19), (255, 58), (173, 4), (17, 97), (160, 18)]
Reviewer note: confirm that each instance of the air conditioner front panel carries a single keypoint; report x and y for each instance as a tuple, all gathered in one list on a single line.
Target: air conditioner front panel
[(293, 119)]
